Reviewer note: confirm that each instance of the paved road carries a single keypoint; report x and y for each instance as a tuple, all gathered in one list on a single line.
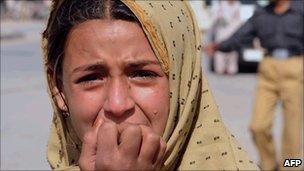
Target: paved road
[(26, 111)]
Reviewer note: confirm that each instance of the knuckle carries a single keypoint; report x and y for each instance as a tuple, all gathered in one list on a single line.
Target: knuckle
[(151, 137), (133, 129), (105, 163), (128, 164), (108, 126), (144, 164)]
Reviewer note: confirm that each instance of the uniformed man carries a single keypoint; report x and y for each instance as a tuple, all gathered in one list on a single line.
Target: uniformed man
[(279, 27)]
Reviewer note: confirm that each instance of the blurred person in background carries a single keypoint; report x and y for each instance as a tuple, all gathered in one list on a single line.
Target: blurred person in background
[(24, 10), (203, 15), (11, 9), (279, 26), (226, 20)]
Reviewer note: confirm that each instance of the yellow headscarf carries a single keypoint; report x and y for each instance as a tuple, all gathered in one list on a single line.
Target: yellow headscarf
[(195, 135)]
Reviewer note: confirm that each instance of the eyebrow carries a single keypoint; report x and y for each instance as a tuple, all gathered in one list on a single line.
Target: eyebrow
[(90, 67), (141, 63), (100, 65)]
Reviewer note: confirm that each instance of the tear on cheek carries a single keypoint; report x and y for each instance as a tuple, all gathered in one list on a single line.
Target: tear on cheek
[(155, 112)]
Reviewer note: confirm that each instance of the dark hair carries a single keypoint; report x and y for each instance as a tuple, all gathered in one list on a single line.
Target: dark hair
[(71, 13)]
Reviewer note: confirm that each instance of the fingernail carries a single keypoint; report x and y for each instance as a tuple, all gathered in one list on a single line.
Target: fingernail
[(98, 122)]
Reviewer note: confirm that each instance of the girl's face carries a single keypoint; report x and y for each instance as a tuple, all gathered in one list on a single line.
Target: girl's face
[(111, 71)]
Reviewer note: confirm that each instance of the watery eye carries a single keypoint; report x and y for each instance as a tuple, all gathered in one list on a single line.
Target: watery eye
[(90, 77), (143, 74)]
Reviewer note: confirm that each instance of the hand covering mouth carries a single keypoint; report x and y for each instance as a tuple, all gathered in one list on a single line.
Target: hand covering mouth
[(123, 125)]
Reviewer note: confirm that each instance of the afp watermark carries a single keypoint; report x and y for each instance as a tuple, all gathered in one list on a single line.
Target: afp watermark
[(292, 162)]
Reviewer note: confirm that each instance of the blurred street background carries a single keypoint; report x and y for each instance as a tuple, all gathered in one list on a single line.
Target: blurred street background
[(25, 108)]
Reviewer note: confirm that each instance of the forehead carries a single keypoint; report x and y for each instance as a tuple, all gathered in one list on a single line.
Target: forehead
[(105, 32), (107, 39)]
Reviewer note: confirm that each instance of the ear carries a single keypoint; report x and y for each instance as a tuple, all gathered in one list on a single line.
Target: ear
[(57, 92), (60, 99)]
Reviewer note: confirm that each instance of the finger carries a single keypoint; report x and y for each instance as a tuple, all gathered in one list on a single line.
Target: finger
[(149, 145), (88, 150), (160, 154), (107, 139), (90, 139), (130, 140)]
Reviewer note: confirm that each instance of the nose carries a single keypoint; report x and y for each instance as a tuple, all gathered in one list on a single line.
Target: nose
[(118, 101)]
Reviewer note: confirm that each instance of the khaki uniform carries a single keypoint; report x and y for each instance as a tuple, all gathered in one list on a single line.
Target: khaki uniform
[(280, 77), (279, 80)]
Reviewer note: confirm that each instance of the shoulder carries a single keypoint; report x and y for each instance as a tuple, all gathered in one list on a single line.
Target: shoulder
[(261, 11), (297, 7)]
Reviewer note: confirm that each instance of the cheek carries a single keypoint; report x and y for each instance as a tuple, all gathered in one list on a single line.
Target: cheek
[(84, 106), (155, 104), (156, 97)]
